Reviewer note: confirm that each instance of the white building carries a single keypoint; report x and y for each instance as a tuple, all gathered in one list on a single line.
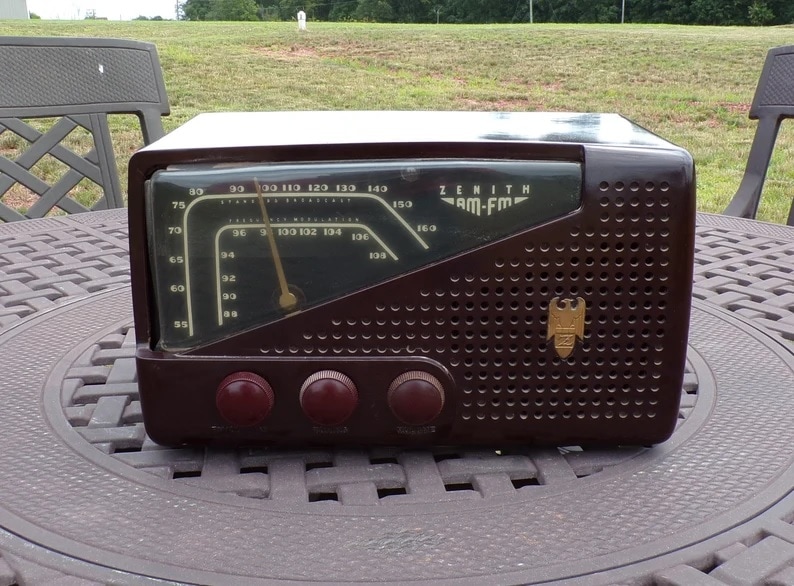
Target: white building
[(13, 9)]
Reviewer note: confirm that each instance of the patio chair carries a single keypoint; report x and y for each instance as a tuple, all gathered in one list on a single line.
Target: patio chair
[(76, 83), (773, 101)]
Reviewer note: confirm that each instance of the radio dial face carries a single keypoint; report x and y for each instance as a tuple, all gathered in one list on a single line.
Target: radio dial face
[(235, 247)]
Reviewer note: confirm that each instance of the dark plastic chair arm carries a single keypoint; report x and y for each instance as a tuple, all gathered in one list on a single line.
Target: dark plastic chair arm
[(745, 202)]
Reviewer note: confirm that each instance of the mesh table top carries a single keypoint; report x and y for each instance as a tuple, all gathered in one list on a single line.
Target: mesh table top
[(88, 498)]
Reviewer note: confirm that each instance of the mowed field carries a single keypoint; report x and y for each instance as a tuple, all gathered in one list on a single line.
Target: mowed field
[(691, 85)]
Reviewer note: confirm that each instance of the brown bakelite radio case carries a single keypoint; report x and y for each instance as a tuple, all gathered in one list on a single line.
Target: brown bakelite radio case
[(411, 278)]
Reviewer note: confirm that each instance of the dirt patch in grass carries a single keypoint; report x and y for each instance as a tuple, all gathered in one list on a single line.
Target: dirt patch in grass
[(439, 76), (503, 105), (19, 197), (735, 108), (350, 52), (552, 87), (332, 50), (290, 53)]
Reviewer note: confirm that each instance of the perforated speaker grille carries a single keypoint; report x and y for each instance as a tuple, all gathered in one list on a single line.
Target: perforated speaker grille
[(486, 317)]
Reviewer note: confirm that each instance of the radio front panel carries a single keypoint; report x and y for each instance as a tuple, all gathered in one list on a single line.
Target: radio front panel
[(532, 292)]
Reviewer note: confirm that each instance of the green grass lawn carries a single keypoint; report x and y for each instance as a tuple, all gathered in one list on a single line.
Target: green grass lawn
[(692, 85)]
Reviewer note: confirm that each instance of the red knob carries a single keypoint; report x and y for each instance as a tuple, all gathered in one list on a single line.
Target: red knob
[(416, 397), (328, 397), (244, 399)]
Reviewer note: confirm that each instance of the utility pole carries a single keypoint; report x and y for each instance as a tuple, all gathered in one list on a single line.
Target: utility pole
[(530, 11), (623, 12)]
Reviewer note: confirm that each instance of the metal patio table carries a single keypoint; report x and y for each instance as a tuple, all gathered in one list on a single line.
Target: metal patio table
[(86, 497)]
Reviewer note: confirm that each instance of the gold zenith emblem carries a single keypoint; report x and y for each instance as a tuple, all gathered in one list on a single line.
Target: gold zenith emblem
[(566, 323)]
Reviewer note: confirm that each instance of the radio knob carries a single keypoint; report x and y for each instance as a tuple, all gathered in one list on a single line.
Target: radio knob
[(416, 397), (244, 399), (328, 397)]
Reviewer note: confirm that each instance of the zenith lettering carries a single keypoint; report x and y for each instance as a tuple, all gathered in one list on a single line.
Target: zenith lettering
[(468, 197)]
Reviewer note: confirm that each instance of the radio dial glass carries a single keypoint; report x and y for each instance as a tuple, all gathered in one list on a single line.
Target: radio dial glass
[(238, 246)]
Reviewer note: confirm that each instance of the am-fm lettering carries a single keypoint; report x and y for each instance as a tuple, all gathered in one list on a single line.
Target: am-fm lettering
[(484, 206)]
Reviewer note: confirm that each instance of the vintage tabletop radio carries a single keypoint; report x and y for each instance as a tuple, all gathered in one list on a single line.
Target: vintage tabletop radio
[(411, 278)]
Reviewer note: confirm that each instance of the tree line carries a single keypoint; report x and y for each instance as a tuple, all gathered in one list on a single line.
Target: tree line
[(705, 12)]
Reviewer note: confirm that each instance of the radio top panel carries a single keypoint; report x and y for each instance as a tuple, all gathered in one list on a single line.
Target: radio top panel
[(233, 130)]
